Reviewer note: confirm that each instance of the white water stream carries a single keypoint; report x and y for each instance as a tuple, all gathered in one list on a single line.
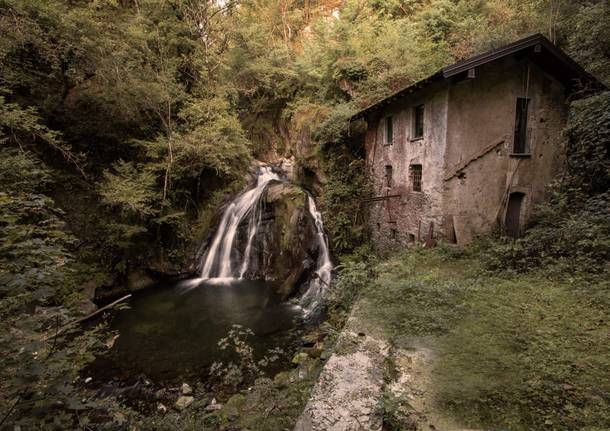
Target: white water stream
[(222, 262), (217, 261), (322, 279)]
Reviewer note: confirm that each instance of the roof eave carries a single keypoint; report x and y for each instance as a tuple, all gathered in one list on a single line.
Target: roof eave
[(575, 71), (438, 76)]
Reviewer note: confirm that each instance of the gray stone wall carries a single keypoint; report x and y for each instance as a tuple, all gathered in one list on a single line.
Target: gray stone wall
[(401, 219), (480, 169), (468, 170)]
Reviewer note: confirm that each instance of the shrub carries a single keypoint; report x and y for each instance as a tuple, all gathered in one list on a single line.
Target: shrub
[(245, 368), (355, 273), (562, 240), (344, 216)]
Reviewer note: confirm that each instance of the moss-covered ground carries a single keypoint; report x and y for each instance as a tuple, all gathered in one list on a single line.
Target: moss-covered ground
[(512, 351)]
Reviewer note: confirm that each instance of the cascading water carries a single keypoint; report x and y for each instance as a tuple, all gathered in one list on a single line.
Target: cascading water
[(224, 261), (217, 262), (322, 276), (269, 245)]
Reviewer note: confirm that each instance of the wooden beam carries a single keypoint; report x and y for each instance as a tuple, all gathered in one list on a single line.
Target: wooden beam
[(379, 198)]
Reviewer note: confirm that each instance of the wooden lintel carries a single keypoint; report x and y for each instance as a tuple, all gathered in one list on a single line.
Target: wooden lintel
[(486, 150)]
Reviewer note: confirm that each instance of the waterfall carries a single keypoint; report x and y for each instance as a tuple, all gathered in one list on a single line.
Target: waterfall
[(217, 262), (322, 277), (223, 262)]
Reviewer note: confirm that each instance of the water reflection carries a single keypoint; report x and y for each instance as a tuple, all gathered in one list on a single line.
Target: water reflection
[(175, 330)]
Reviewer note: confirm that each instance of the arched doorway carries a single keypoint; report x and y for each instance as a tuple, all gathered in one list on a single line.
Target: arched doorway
[(512, 222)]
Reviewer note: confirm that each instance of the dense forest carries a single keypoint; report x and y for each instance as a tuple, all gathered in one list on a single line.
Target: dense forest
[(125, 123)]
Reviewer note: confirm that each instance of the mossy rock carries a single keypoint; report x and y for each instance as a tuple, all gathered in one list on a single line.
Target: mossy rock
[(283, 378), (287, 249), (300, 358), (234, 406)]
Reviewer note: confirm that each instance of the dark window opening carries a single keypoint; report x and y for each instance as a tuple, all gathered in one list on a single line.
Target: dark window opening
[(411, 237), (520, 144), (393, 233), (388, 175), (418, 122), (389, 131), (512, 222), (416, 177)]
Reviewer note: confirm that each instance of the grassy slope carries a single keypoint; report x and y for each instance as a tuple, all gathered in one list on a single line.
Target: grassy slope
[(521, 351)]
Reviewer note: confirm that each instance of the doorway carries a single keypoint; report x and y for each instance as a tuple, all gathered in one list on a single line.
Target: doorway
[(512, 223)]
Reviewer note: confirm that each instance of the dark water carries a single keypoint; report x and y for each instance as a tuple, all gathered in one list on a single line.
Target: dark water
[(173, 331)]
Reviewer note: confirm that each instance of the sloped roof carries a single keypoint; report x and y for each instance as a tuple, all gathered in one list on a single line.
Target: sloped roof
[(538, 48)]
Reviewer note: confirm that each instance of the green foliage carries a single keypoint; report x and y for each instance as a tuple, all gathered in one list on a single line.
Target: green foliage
[(25, 129), (33, 250), (214, 143), (131, 191), (354, 274), (268, 406), (563, 240), (588, 133), (341, 201), (589, 38), (336, 127), (246, 368), (134, 88), (392, 411), (39, 280)]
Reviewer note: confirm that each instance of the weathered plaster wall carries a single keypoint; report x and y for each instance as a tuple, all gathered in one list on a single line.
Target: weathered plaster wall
[(480, 170), (399, 220), (468, 169)]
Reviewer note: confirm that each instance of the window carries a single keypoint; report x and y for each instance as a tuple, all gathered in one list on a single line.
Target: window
[(388, 175), (520, 144), (418, 122), (416, 173), (389, 131)]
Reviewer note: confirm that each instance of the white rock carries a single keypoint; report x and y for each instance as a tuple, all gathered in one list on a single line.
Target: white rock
[(186, 389), (213, 406), (161, 408)]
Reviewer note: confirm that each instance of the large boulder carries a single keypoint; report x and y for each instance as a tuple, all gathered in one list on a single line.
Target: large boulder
[(286, 246)]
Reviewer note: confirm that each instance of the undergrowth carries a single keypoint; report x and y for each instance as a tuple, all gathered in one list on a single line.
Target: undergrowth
[(520, 351)]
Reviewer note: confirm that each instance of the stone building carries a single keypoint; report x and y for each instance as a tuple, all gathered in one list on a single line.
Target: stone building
[(471, 148)]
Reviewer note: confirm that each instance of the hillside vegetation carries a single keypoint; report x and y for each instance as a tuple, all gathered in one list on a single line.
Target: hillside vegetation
[(124, 123)]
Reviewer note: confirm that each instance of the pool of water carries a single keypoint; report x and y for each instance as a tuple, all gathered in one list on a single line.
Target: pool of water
[(173, 331)]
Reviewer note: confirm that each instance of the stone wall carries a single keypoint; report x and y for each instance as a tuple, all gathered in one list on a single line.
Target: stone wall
[(468, 170), (405, 214), (480, 169)]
